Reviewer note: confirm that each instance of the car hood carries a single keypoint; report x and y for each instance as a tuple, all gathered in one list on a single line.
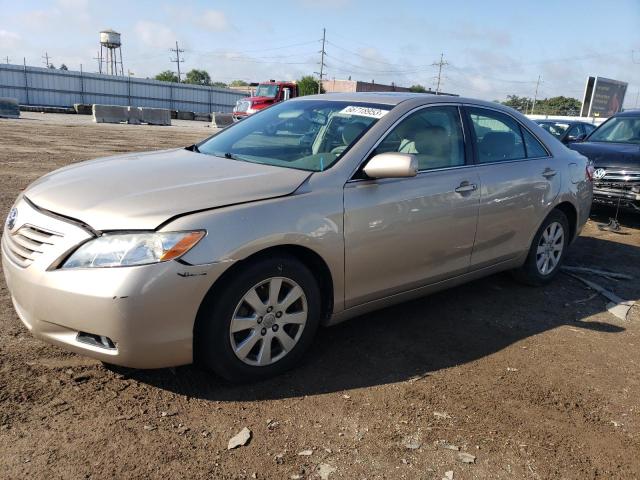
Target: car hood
[(260, 99), (143, 190), (612, 155)]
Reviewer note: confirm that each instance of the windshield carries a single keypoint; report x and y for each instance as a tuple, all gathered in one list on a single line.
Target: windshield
[(267, 91), (554, 128), (618, 130), (305, 134)]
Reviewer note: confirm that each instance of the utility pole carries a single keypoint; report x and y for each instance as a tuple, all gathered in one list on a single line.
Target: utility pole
[(99, 59), (322, 54), (7, 59), (177, 60), (440, 64), (535, 97), (46, 58)]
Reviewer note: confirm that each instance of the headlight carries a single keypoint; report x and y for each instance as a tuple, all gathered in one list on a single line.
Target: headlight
[(128, 249)]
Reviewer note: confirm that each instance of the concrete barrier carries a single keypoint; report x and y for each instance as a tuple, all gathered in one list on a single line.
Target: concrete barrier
[(221, 120), (9, 108), (110, 114), (185, 115), (134, 115), (83, 108), (156, 116)]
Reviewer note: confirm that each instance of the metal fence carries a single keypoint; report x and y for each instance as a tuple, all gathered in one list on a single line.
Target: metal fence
[(61, 88)]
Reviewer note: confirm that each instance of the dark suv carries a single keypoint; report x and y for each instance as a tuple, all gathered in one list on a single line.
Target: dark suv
[(614, 149)]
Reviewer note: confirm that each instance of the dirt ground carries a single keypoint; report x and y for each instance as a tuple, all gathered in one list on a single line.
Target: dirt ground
[(534, 383)]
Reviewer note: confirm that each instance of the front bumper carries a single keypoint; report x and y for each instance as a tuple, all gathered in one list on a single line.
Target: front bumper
[(148, 312), (610, 194)]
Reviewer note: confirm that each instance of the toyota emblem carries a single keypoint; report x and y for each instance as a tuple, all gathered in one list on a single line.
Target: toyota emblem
[(599, 173), (11, 219)]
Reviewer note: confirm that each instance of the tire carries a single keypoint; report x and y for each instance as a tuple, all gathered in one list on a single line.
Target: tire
[(274, 340), (531, 273)]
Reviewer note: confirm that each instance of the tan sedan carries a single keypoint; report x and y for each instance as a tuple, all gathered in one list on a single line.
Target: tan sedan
[(233, 251)]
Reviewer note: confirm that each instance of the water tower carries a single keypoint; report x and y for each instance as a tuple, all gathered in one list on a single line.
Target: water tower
[(111, 53)]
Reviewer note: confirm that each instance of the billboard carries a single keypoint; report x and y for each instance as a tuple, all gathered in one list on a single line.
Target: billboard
[(603, 97)]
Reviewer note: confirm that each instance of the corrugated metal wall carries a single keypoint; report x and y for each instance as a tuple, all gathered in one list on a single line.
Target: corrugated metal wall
[(56, 88)]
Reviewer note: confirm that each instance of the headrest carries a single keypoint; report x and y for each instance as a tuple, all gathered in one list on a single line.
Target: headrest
[(431, 140)]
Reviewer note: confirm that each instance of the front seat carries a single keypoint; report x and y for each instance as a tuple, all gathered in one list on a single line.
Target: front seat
[(433, 149), (350, 132)]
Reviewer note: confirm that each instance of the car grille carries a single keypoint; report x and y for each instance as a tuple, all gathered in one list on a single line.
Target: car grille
[(242, 106), (28, 242), (622, 179)]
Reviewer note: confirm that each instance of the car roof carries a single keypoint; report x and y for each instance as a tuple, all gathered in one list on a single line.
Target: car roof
[(395, 98), (629, 113)]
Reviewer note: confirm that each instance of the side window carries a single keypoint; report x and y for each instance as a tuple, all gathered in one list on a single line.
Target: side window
[(576, 131), (589, 128), (534, 148), (498, 136), (433, 134)]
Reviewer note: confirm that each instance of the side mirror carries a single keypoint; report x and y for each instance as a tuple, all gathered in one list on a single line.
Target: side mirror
[(392, 165), (574, 139), (287, 94)]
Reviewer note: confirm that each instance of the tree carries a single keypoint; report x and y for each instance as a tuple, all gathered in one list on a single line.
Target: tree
[(545, 106), (198, 77), (522, 104), (559, 106), (418, 88), (51, 66), (308, 85), (238, 83), (167, 76), (63, 67), (219, 84)]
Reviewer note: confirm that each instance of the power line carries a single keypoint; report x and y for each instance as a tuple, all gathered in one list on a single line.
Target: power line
[(440, 64), (177, 60)]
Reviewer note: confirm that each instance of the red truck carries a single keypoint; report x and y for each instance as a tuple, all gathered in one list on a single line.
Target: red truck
[(266, 94)]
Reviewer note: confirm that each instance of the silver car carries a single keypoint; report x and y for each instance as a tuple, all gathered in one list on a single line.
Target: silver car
[(232, 252)]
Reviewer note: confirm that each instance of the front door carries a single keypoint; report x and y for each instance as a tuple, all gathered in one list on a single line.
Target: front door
[(406, 233)]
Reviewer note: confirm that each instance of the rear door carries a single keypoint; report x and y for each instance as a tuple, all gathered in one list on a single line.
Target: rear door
[(405, 233), (519, 182)]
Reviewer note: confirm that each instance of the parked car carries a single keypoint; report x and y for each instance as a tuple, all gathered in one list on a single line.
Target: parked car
[(614, 149), (567, 131), (266, 94), (233, 251)]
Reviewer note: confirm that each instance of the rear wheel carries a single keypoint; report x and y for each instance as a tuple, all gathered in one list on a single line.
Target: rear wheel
[(547, 251), (261, 322)]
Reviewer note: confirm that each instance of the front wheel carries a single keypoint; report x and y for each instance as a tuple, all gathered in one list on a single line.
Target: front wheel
[(261, 322), (547, 251)]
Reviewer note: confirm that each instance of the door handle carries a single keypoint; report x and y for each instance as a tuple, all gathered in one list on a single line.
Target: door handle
[(549, 172), (466, 187)]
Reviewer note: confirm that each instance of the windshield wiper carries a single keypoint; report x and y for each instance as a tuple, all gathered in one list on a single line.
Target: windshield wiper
[(193, 148)]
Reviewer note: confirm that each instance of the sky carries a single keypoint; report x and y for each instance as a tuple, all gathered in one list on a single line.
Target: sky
[(493, 48)]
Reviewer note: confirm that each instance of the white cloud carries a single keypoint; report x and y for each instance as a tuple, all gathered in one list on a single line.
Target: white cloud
[(214, 20), (154, 34), (9, 39)]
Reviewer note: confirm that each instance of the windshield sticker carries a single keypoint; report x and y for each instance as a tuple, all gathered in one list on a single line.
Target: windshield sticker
[(364, 111)]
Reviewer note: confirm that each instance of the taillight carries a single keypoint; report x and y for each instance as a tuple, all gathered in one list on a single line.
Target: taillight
[(589, 172)]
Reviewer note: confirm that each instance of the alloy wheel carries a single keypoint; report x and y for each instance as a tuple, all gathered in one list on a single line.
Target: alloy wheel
[(268, 321), (550, 247)]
